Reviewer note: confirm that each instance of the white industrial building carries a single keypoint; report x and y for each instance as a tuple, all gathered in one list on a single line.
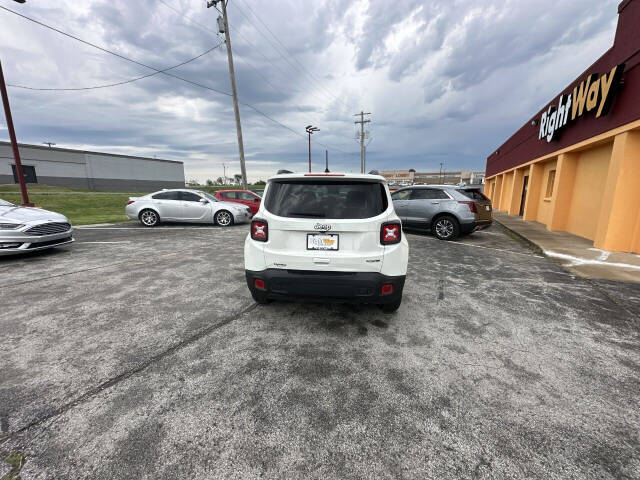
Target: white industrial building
[(90, 170)]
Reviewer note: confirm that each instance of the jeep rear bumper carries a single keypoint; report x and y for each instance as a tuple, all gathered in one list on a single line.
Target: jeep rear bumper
[(311, 285)]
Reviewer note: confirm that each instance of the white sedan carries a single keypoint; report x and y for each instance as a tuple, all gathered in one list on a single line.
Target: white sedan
[(24, 229), (183, 205)]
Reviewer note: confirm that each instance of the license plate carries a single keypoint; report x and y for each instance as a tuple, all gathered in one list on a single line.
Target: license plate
[(488, 207), (322, 241)]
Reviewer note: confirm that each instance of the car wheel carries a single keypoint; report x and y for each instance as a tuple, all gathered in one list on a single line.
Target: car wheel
[(446, 228), (149, 218), (391, 307), (224, 218), (260, 298)]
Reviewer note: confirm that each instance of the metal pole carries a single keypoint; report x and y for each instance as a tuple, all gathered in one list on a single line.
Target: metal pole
[(309, 151), (232, 74), (361, 142), (362, 122), (326, 161), (14, 141)]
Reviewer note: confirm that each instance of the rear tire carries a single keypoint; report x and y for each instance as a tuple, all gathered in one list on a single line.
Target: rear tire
[(446, 227), (223, 218), (149, 218), (391, 307), (260, 298)]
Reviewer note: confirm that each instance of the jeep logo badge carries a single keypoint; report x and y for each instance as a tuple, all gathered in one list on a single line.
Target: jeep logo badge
[(320, 226)]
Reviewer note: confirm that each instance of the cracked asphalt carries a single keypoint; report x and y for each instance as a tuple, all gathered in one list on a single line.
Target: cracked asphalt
[(139, 354)]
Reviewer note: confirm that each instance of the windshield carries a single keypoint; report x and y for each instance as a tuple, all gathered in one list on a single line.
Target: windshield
[(4, 203), (322, 199), (208, 196)]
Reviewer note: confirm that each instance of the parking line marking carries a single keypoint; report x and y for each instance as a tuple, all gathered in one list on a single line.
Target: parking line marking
[(125, 241), (155, 229)]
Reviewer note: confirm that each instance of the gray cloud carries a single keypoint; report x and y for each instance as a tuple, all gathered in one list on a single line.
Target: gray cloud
[(447, 81)]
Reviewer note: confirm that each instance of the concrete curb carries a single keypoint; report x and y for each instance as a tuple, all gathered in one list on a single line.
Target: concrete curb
[(531, 245)]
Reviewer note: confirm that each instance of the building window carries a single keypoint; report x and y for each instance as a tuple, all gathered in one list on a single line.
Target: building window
[(28, 171), (550, 181)]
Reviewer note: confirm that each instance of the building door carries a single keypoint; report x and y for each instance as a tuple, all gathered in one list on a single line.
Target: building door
[(29, 173), (525, 184)]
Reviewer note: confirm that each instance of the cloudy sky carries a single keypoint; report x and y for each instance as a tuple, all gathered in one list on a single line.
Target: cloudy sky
[(446, 80)]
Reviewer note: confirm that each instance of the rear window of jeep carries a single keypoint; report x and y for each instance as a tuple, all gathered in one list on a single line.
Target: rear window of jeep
[(322, 199)]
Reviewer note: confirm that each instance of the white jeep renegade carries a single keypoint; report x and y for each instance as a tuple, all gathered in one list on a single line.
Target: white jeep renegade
[(327, 237)]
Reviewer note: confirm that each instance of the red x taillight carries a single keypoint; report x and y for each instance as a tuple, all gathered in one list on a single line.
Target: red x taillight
[(259, 230), (390, 233)]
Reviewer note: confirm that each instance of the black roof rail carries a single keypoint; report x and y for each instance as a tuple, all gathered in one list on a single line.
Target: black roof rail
[(280, 172)]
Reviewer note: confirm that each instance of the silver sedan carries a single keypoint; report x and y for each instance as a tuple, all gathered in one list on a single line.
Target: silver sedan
[(184, 205), (24, 229)]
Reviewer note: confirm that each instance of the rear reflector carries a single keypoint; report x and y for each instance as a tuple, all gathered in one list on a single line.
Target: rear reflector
[(390, 233), (386, 289), (259, 230), (259, 283), (471, 205)]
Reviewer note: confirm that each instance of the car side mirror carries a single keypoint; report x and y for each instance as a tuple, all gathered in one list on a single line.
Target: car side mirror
[(204, 200), (256, 199)]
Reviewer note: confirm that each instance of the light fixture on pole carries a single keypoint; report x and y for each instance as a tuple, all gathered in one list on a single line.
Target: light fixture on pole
[(310, 129)]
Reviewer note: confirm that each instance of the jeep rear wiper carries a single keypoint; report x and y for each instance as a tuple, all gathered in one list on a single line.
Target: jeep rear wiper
[(309, 214)]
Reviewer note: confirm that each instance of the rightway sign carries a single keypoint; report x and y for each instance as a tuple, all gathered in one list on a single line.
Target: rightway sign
[(592, 94)]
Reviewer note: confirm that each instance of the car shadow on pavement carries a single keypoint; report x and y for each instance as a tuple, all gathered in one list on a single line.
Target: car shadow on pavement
[(335, 317)]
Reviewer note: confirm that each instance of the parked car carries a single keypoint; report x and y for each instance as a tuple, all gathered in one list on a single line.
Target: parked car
[(25, 229), (245, 197), (184, 205), (327, 237), (446, 210)]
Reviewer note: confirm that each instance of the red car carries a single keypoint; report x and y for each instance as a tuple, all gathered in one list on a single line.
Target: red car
[(246, 197)]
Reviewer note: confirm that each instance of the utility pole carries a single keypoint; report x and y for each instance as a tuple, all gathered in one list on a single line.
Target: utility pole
[(224, 174), (362, 121), (440, 177), (326, 161), (232, 75), (310, 129), (14, 141)]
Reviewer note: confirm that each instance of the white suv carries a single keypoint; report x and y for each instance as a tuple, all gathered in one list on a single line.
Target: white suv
[(327, 236)]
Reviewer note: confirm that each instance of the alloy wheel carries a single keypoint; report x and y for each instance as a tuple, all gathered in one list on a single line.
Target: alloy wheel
[(223, 219), (444, 228), (149, 218)]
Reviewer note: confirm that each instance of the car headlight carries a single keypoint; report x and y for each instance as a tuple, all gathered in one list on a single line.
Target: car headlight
[(10, 226)]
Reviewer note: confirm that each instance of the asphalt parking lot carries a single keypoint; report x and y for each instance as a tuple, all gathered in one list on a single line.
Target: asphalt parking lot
[(139, 353)]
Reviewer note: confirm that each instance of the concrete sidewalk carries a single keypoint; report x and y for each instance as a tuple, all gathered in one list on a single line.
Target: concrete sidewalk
[(576, 254)]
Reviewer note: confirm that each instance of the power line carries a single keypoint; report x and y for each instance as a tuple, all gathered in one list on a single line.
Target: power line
[(304, 70), (237, 32), (249, 43), (110, 52), (105, 50), (118, 83)]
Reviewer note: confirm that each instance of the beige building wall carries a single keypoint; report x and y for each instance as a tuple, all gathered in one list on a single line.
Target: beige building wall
[(591, 189)]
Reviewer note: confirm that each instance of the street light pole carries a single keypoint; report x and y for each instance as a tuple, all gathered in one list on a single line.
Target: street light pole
[(310, 129), (14, 141)]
